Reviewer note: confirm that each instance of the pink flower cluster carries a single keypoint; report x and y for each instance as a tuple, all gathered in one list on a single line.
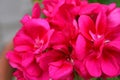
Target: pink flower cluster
[(75, 37)]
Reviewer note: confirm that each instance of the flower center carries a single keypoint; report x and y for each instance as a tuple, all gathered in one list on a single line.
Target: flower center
[(39, 43), (98, 43), (98, 40)]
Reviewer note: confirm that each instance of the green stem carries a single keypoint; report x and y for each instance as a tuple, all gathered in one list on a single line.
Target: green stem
[(99, 79)]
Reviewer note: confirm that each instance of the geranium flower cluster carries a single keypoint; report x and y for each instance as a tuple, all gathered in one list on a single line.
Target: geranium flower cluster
[(74, 37)]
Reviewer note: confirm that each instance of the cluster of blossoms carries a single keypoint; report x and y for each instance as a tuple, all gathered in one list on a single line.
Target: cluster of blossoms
[(74, 37)]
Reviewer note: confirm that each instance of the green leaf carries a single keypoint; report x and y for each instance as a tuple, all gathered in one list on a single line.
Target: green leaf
[(106, 1), (113, 78)]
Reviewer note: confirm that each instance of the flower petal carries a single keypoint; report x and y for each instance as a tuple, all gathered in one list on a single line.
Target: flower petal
[(92, 8), (22, 39), (36, 27), (80, 47), (101, 23), (47, 58), (52, 6), (62, 48), (60, 70), (81, 69), (19, 75), (115, 43), (110, 66), (58, 38), (113, 18), (27, 59), (25, 19), (112, 6), (14, 59), (22, 48), (86, 25), (33, 70), (93, 67), (36, 11), (46, 38)]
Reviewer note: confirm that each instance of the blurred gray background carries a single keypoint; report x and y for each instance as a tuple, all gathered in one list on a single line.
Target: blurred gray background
[(11, 11)]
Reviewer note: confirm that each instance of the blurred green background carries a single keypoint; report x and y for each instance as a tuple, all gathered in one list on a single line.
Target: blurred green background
[(106, 1)]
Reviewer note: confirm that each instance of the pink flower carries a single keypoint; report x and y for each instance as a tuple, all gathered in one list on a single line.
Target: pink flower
[(97, 50), (34, 35), (25, 63), (31, 40), (53, 61), (38, 40), (75, 36), (50, 56), (52, 6), (36, 53)]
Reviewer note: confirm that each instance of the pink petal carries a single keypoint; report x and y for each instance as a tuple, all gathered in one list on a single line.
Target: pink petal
[(80, 47), (60, 70), (112, 6), (113, 33), (36, 11), (93, 67), (110, 66), (86, 25), (22, 48), (101, 23), (114, 44), (25, 19), (45, 42), (33, 70), (113, 18), (47, 58), (44, 76), (62, 48), (47, 38), (58, 38), (64, 15), (92, 8), (22, 39), (87, 9), (14, 59), (81, 69), (27, 59), (19, 75), (52, 6), (38, 27)]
